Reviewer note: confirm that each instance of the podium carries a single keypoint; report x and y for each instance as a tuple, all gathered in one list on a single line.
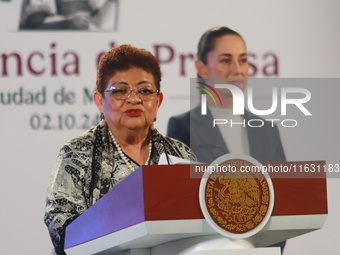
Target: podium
[(156, 210)]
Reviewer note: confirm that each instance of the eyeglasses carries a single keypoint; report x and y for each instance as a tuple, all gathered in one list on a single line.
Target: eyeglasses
[(123, 91)]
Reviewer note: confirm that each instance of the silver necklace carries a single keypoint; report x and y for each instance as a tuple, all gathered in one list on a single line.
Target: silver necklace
[(122, 155)]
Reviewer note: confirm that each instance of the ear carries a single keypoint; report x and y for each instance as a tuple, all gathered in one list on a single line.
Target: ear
[(201, 69), (159, 99), (98, 99)]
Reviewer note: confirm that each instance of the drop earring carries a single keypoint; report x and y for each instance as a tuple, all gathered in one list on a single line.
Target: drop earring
[(152, 127), (102, 119)]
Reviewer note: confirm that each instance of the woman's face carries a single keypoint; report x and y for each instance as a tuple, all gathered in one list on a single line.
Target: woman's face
[(228, 59), (131, 113)]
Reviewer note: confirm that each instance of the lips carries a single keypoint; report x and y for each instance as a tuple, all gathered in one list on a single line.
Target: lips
[(236, 81), (133, 112)]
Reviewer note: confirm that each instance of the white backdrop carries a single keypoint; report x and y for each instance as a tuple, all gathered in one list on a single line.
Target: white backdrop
[(302, 35)]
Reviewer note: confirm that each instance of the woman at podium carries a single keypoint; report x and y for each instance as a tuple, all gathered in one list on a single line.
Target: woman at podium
[(128, 97)]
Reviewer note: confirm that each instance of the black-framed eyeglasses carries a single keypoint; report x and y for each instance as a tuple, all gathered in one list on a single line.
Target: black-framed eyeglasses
[(123, 91)]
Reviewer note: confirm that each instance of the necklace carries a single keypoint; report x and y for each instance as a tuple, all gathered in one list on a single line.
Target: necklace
[(122, 155)]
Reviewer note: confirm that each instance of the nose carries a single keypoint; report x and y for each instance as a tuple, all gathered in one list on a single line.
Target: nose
[(236, 68), (133, 97)]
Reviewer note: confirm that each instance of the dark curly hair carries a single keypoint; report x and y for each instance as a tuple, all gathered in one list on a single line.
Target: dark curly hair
[(122, 58)]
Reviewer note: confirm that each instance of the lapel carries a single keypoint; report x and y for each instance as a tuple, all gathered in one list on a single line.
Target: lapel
[(255, 137), (203, 132)]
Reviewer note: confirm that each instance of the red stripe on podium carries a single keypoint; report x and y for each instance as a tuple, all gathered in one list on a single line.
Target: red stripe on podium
[(171, 194)]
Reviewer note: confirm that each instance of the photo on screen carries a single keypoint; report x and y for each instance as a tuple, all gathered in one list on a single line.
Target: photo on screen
[(85, 15)]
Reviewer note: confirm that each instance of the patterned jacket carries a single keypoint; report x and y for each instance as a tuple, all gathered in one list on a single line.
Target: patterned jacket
[(86, 169)]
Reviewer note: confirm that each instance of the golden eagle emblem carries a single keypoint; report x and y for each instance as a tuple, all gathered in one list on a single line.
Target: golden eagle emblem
[(237, 201)]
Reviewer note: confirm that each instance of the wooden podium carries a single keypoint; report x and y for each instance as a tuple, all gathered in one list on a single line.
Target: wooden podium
[(156, 210)]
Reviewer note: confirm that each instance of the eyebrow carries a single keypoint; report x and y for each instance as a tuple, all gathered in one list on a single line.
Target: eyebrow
[(125, 83), (230, 55), (120, 82), (142, 82)]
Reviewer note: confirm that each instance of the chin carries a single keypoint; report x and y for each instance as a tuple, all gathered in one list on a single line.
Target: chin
[(135, 125)]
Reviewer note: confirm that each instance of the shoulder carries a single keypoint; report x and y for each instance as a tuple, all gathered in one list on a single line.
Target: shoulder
[(179, 126), (180, 118), (82, 143), (183, 119), (186, 115), (182, 115)]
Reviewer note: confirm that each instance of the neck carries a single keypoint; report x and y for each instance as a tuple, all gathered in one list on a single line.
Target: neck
[(138, 148), (131, 137)]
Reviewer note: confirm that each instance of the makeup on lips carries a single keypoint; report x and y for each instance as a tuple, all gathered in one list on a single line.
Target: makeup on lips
[(133, 112)]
